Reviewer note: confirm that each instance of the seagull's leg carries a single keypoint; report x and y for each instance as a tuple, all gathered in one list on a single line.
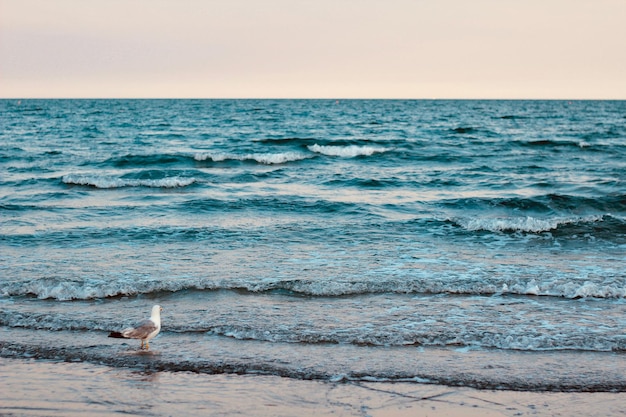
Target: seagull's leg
[(141, 345), (147, 345)]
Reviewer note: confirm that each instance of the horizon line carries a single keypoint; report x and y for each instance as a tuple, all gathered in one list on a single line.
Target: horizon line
[(315, 98)]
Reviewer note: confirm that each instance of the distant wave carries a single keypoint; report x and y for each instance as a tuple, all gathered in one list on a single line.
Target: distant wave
[(131, 160), (556, 144), (464, 130), (304, 142), (350, 151), (161, 160), (262, 158), (286, 141), (513, 117), (469, 130), (557, 204), (100, 181)]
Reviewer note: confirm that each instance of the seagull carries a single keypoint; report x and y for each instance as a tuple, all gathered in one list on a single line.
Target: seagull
[(145, 331)]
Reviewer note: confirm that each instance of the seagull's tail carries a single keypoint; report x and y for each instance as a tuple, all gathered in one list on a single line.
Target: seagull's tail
[(117, 335)]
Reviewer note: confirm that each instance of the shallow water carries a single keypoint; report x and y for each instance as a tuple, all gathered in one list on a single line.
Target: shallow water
[(318, 239)]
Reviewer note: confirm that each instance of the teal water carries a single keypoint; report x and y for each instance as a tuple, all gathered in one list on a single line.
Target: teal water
[(288, 229)]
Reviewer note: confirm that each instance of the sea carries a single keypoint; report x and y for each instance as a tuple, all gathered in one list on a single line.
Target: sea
[(477, 243)]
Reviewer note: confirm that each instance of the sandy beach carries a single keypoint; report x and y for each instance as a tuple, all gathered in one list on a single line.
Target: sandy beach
[(41, 388)]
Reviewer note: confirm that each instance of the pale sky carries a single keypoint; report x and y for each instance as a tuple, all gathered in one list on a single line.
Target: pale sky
[(571, 49)]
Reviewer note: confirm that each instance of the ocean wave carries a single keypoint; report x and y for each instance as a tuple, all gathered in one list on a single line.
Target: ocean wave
[(132, 160), (54, 322), (592, 226), (305, 142), (287, 141), (471, 131), (502, 336), (89, 289), (349, 151), (551, 204), (108, 182), (261, 158), (513, 339), (465, 130), (514, 117), (556, 144), (509, 224), (292, 204)]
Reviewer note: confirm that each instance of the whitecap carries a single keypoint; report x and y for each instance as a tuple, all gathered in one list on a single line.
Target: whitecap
[(593, 290), (526, 224), (108, 182), (521, 224), (350, 151), (276, 158), (262, 158)]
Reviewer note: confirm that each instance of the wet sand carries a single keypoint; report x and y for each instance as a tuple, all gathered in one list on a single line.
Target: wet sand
[(42, 388)]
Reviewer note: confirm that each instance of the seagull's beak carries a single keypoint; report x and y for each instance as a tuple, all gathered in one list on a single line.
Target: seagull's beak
[(160, 308)]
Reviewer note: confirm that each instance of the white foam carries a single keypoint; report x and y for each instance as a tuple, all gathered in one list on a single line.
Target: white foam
[(350, 151), (61, 289), (591, 289), (520, 224), (278, 158), (101, 181), (262, 158), (215, 157)]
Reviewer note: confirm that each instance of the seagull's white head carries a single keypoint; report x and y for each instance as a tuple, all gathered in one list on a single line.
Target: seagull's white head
[(156, 311)]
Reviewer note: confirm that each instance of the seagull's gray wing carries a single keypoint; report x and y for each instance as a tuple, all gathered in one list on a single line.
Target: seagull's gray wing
[(142, 331)]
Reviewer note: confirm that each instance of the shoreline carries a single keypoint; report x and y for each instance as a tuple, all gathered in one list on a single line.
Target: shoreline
[(38, 387)]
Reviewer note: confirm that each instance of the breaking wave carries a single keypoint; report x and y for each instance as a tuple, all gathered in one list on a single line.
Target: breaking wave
[(594, 226), (108, 182), (261, 158), (350, 151), (88, 289)]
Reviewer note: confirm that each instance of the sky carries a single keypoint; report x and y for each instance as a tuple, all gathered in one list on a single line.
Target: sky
[(543, 49)]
